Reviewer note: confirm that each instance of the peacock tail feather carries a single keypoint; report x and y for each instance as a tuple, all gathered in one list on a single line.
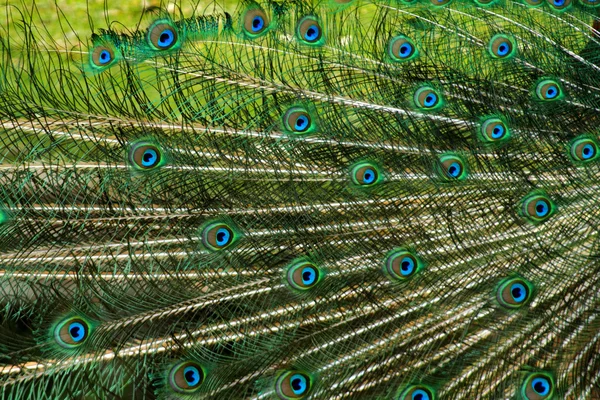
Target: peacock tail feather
[(317, 199)]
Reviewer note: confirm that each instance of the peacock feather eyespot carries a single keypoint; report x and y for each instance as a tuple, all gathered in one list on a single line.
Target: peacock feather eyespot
[(494, 130), (255, 22), (514, 293), (102, 56), (145, 156), (162, 35), (186, 377), (309, 31), (427, 98), (303, 275), (298, 121), (502, 47), (440, 2), (402, 264), (71, 332), (538, 386), (218, 236), (560, 5), (584, 149), (293, 385), (548, 90), (537, 207), (485, 2), (451, 167), (365, 174), (401, 48), (417, 392), (533, 3)]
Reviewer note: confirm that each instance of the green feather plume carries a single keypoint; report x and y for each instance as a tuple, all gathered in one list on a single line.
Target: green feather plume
[(301, 199)]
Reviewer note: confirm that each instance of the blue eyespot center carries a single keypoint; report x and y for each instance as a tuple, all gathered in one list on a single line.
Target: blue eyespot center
[(454, 170), (551, 92), (559, 3), (309, 275), (369, 176), (588, 151), (301, 123), (223, 237), (405, 50), (149, 158), (541, 208), (498, 131), (191, 375), (166, 38), (298, 384), (312, 33), (105, 57), (420, 394), (541, 386), (430, 100), (77, 331), (518, 292), (503, 49), (407, 265), (257, 23)]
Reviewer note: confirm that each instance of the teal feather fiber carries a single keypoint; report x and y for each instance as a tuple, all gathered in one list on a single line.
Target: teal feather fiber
[(301, 199)]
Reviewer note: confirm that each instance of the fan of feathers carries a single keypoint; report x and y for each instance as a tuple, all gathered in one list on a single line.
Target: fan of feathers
[(306, 199)]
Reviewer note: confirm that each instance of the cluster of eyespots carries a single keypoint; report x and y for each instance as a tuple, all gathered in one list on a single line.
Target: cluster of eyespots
[(402, 264), (401, 48), (293, 385), (502, 47), (303, 275), (218, 236), (162, 35), (309, 31), (145, 156), (417, 392), (186, 377), (548, 90), (451, 167), (296, 120), (427, 98), (560, 5), (584, 149), (538, 386), (255, 22), (71, 332), (365, 174), (494, 130), (514, 293), (537, 207)]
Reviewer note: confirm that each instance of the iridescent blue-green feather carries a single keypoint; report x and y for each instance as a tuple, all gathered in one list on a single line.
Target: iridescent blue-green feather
[(305, 199)]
